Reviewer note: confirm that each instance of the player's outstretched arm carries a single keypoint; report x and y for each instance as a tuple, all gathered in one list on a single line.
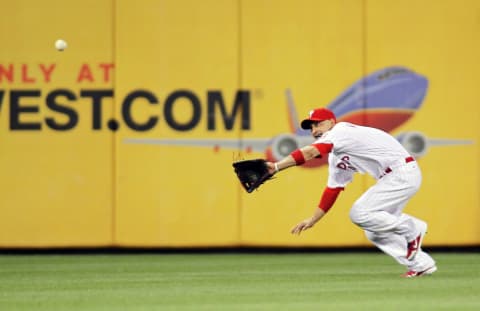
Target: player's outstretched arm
[(297, 157)]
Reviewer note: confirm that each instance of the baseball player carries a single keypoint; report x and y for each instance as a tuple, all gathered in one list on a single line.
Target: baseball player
[(350, 149)]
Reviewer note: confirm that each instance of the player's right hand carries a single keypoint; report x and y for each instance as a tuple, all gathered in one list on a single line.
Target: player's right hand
[(302, 226)]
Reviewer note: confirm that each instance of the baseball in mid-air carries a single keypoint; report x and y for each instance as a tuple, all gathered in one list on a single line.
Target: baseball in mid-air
[(60, 45)]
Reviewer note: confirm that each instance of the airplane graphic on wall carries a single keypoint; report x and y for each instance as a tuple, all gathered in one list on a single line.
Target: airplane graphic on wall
[(385, 99)]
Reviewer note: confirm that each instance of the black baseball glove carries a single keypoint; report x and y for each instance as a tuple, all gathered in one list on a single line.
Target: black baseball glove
[(252, 173)]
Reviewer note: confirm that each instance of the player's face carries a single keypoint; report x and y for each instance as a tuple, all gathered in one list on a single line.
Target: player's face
[(318, 128)]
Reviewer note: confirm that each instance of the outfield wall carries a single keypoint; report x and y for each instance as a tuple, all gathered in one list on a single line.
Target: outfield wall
[(215, 73)]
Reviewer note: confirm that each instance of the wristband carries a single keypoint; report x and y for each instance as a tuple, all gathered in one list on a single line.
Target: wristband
[(276, 167), (297, 155)]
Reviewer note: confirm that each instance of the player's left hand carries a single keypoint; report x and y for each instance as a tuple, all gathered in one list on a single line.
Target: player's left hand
[(271, 168), (302, 226)]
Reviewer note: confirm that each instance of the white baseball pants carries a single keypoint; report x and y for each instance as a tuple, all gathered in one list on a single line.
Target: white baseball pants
[(379, 212)]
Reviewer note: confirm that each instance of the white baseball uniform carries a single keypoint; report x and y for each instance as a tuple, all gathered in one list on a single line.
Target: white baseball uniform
[(379, 210)]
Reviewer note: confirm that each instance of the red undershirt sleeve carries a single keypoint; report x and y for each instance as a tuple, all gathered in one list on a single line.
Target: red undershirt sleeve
[(329, 197), (323, 148)]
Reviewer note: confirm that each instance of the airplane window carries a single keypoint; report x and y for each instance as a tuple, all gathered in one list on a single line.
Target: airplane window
[(389, 73)]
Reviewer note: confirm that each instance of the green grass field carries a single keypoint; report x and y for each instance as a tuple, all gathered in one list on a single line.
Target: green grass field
[(283, 281)]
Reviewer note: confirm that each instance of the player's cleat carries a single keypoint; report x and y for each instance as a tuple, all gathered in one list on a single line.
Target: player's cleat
[(414, 246), (413, 274)]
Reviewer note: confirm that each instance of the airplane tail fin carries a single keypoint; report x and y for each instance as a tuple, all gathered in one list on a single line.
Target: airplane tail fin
[(292, 115)]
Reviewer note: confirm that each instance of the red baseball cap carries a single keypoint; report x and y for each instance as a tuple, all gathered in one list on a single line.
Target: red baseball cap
[(317, 115)]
